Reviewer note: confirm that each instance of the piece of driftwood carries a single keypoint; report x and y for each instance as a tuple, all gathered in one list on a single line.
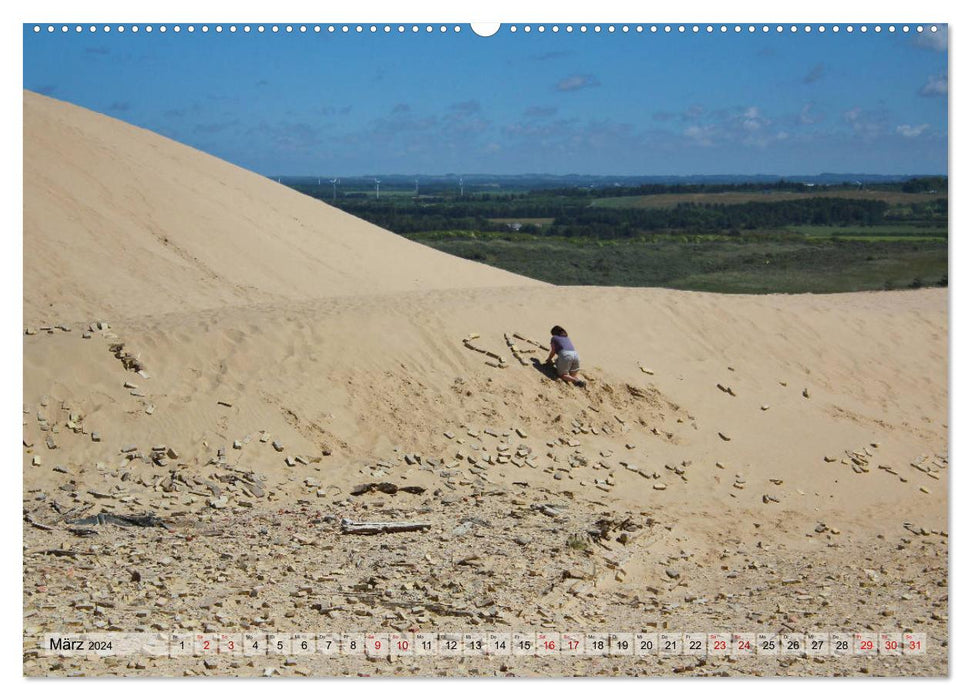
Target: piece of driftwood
[(39, 526), (62, 552), (385, 487), (82, 531), (76, 511), (349, 527), (146, 520)]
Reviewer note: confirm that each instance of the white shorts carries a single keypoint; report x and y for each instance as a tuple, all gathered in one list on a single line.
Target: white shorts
[(567, 362)]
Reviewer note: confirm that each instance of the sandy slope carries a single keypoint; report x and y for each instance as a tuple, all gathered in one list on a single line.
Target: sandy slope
[(121, 221), (259, 312)]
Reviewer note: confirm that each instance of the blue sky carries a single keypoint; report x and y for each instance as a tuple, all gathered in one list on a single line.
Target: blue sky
[(598, 103)]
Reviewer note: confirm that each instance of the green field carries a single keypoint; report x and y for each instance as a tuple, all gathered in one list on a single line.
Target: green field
[(539, 222), (892, 232), (717, 264), (667, 201)]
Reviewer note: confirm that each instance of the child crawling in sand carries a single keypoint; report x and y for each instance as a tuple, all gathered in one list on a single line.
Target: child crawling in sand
[(567, 360)]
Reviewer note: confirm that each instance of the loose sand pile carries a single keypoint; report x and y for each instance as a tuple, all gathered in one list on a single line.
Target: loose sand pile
[(212, 348)]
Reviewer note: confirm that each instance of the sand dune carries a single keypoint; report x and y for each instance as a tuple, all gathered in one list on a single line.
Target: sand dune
[(773, 438), (120, 221)]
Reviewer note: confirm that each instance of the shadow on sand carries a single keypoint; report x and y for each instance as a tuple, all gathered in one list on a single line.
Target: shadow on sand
[(548, 370)]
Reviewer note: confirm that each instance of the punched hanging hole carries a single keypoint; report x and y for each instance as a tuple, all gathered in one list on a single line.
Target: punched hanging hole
[(485, 28)]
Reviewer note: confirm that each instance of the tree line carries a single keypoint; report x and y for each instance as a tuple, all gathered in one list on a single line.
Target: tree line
[(577, 219)]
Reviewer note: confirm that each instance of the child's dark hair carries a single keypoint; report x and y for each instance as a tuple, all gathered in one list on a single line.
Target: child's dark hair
[(558, 330)]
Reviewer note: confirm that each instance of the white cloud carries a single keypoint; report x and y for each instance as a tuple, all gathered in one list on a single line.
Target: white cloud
[(751, 121), (935, 85), (577, 82), (701, 135), (908, 131)]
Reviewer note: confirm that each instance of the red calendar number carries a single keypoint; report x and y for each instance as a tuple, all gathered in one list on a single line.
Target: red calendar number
[(721, 645), (744, 645), (866, 645)]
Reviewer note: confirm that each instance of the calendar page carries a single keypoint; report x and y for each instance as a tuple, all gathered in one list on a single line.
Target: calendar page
[(399, 345)]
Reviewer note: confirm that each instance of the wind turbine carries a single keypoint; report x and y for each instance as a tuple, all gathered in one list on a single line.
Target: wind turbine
[(416, 186), (377, 188), (335, 182), (461, 187)]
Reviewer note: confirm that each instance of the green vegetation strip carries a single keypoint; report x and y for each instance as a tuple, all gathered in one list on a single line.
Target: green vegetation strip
[(726, 266)]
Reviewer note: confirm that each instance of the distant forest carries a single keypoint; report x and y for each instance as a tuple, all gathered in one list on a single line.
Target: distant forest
[(573, 216)]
